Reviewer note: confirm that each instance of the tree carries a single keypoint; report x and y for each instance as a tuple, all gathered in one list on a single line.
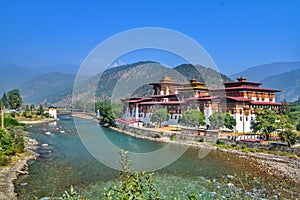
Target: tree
[(266, 121), (40, 110), (286, 129), (4, 100), (230, 122), (160, 116), (14, 99), (192, 118), (218, 120), (106, 111)]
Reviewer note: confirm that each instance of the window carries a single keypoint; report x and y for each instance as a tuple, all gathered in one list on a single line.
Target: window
[(246, 118), (241, 118), (175, 117)]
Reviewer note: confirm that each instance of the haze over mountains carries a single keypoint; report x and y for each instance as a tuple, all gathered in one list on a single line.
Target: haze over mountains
[(53, 84), (279, 75)]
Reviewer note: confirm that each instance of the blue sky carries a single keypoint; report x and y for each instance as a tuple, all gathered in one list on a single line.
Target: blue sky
[(236, 34)]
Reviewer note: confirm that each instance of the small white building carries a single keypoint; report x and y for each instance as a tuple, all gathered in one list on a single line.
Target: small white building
[(53, 112)]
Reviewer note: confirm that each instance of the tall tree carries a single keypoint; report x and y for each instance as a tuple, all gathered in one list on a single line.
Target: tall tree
[(192, 118), (4, 100), (14, 99), (266, 121), (106, 111), (218, 120), (230, 122), (41, 110), (160, 116)]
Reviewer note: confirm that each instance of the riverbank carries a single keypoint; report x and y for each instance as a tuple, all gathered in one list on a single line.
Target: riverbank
[(274, 165), (38, 121), (19, 166)]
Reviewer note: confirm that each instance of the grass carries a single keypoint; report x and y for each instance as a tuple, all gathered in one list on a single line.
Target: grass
[(256, 150)]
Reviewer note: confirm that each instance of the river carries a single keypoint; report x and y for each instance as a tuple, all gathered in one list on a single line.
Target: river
[(64, 161)]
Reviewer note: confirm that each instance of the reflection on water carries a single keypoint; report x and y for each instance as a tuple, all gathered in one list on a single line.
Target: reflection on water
[(65, 162)]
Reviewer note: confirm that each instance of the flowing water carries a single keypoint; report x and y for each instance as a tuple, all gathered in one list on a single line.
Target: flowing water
[(65, 161)]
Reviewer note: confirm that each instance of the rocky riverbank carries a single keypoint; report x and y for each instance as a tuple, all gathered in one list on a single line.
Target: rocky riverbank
[(10, 173), (274, 165), (39, 121)]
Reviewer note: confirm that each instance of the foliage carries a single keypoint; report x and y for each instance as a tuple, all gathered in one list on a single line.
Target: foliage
[(109, 111), (229, 121), (266, 121), (72, 195), (192, 118), (4, 100), (11, 122), (14, 99), (289, 136), (159, 116), (137, 185), (40, 110), (10, 144), (218, 120)]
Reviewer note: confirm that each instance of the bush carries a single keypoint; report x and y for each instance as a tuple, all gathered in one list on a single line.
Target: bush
[(4, 160), (220, 142), (136, 185)]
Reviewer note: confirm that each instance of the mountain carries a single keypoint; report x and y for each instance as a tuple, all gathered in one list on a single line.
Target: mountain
[(37, 89), (209, 76), (11, 76), (288, 83), (133, 80), (63, 68), (260, 72)]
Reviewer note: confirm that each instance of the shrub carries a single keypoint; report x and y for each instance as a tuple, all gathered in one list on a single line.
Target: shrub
[(4, 160), (137, 185)]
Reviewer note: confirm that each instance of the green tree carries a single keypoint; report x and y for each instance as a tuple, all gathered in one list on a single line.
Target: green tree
[(4, 100), (266, 121), (31, 107), (192, 118), (159, 116), (287, 130), (40, 110), (14, 99), (230, 122), (106, 111), (218, 120)]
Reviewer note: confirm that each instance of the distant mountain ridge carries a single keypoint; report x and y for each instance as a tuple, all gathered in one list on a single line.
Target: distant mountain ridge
[(257, 73), (12, 76), (121, 81), (288, 83), (37, 89)]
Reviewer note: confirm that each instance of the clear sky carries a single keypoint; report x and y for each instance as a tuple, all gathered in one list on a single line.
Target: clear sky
[(237, 34)]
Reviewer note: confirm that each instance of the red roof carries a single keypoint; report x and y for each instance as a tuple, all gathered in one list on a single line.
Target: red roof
[(266, 103), (162, 103), (238, 98), (137, 100), (163, 95), (244, 83), (201, 98), (245, 88)]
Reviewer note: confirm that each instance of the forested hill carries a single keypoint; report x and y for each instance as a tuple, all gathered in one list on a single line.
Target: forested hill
[(209, 76), (127, 77)]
